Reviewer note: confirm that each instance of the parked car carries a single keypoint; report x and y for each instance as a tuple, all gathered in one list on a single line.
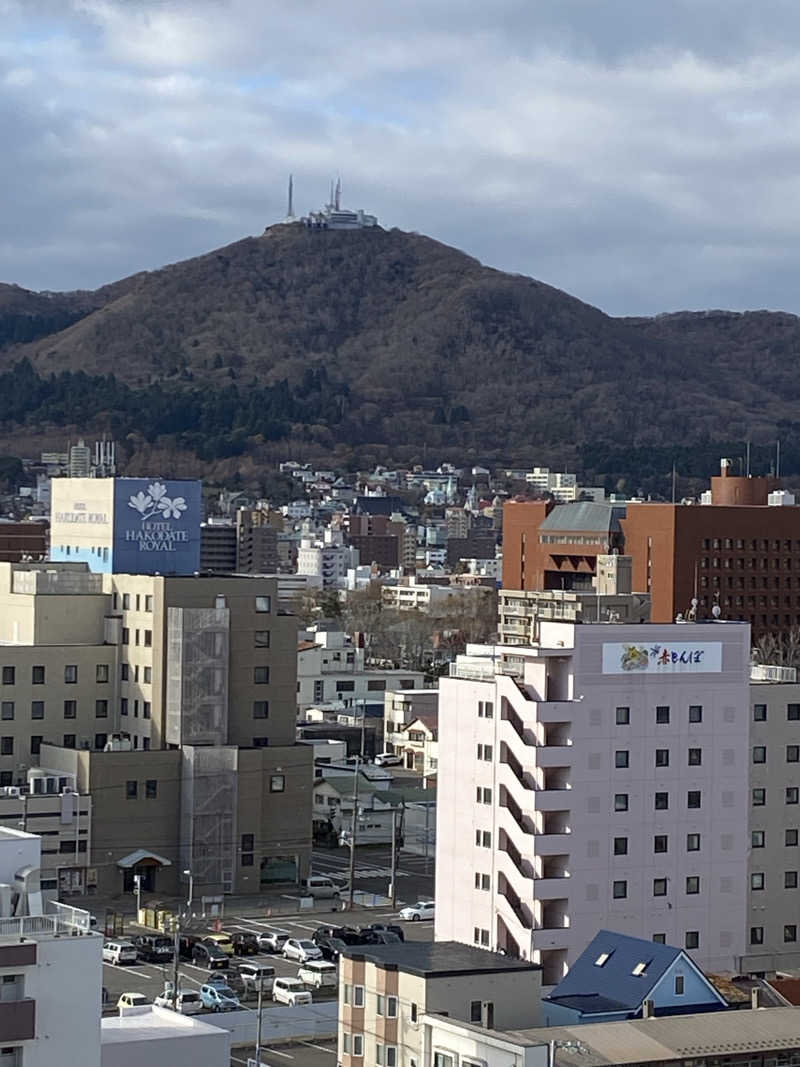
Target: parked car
[(188, 1002), (186, 943), (222, 941), (257, 976), (290, 991), (119, 952), (154, 948), (219, 997), (348, 934), (208, 955), (379, 937), (423, 909), (388, 759), (245, 944), (132, 1000), (229, 977), (301, 950), (331, 948), (273, 940), (391, 928), (318, 973)]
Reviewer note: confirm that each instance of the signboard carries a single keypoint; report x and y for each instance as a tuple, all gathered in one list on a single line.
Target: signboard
[(670, 658), (156, 526)]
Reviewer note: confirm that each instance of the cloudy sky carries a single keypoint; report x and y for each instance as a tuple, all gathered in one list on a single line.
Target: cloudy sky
[(641, 154)]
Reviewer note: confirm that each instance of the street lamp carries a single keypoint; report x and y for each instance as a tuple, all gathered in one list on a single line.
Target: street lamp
[(137, 888), (189, 875)]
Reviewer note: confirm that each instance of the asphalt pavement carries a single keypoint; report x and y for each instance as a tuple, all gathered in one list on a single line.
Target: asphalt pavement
[(320, 1053), (415, 873)]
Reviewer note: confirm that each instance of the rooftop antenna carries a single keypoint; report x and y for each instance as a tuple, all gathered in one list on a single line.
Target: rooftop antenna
[(338, 193), (290, 212), (330, 202), (748, 459), (778, 458), (674, 475)]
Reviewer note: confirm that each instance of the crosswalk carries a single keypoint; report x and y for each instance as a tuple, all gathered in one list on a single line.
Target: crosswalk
[(324, 862)]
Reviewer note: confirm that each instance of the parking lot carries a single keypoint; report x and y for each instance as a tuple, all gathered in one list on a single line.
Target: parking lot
[(320, 1053), (149, 978)]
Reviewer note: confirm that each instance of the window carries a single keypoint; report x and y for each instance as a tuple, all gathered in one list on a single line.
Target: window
[(659, 887), (70, 709), (693, 798), (790, 838), (485, 709), (621, 758), (759, 713), (277, 783), (69, 741), (620, 802), (693, 842), (678, 985), (148, 674), (358, 996), (792, 794), (146, 709), (100, 741), (757, 839), (483, 838), (759, 798), (9, 674), (37, 675), (260, 742), (124, 671), (7, 710), (261, 675), (123, 706), (756, 935), (692, 885), (695, 713), (126, 601), (793, 712), (483, 795), (793, 753), (148, 638), (603, 959), (692, 939), (760, 754), (260, 709), (126, 635), (6, 746), (662, 715), (101, 709), (695, 757), (261, 638), (37, 709), (757, 880), (151, 789), (662, 757), (263, 605), (344, 686), (790, 879), (131, 790), (71, 674), (485, 752), (482, 881), (620, 890), (443, 1059), (790, 932), (475, 1015), (660, 843), (661, 801), (623, 716), (36, 744), (660, 939), (620, 846)]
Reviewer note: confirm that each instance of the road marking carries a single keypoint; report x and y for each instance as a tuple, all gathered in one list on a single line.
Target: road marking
[(320, 1047), (237, 1060), (129, 970), (274, 1052)]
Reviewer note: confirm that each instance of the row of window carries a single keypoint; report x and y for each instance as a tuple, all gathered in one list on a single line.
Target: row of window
[(789, 934), (125, 673), (150, 789), (8, 709), (751, 563), (791, 796), (483, 881), (758, 880), (792, 754), (791, 838), (792, 713), (385, 1055), (39, 674), (147, 600), (660, 844), (619, 889), (485, 752), (125, 705), (485, 709), (144, 637), (753, 544), (623, 714), (67, 741), (694, 758), (660, 801)]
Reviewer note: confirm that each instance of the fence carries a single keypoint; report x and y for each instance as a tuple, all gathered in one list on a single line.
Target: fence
[(278, 1023)]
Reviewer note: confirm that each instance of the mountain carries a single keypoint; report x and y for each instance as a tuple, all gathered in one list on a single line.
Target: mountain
[(378, 345)]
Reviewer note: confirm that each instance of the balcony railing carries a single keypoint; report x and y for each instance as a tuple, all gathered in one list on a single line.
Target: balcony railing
[(63, 919)]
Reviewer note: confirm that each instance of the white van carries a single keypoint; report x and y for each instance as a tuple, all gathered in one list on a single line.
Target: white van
[(256, 976), (118, 952), (318, 885), (318, 973), (290, 991)]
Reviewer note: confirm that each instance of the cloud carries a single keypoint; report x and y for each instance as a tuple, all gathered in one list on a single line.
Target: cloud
[(641, 156)]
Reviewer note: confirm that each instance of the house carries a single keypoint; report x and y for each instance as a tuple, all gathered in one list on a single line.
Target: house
[(616, 975), (418, 743)]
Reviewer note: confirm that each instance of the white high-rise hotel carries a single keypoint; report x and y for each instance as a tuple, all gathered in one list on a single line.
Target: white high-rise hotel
[(598, 780)]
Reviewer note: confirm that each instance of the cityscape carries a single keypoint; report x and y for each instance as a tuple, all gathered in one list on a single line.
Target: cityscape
[(399, 654)]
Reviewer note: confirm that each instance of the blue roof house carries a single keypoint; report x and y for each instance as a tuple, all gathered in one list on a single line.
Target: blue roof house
[(616, 974)]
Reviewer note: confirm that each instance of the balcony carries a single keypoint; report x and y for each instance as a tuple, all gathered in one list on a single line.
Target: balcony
[(513, 729), (554, 756), (555, 937), (62, 919), (518, 772), (552, 888), (17, 1020), (551, 844), (551, 799), (555, 711), (523, 821)]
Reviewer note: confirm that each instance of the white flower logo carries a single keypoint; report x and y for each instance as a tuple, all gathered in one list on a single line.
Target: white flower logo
[(156, 502), (171, 509)]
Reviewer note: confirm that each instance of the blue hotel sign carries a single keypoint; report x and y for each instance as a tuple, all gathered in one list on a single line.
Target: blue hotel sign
[(156, 526)]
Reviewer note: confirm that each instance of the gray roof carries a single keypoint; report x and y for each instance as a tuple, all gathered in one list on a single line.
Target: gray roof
[(719, 1033), (437, 959), (584, 516)]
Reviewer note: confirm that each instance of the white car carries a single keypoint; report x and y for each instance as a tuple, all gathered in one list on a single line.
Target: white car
[(423, 909), (119, 952), (290, 991), (301, 950), (388, 759), (188, 1002), (132, 1000), (273, 940)]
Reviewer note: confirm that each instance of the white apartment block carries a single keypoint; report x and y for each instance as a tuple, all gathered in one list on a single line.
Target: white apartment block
[(50, 968), (597, 781), (329, 559)]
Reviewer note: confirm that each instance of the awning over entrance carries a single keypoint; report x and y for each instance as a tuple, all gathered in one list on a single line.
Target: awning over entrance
[(141, 855)]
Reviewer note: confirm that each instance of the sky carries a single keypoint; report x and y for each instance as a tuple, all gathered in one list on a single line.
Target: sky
[(643, 155)]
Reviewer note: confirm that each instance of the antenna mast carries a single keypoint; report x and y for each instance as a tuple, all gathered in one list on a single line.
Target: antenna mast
[(338, 193), (290, 212), (778, 458)]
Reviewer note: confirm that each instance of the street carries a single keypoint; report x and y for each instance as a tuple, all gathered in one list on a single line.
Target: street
[(320, 1053), (415, 873)]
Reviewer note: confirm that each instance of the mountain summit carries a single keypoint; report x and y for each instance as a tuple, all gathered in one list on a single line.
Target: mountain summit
[(384, 343)]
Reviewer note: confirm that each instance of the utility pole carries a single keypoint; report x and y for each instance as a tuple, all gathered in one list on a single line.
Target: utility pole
[(175, 974), (353, 826), (393, 881), (258, 1025)]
